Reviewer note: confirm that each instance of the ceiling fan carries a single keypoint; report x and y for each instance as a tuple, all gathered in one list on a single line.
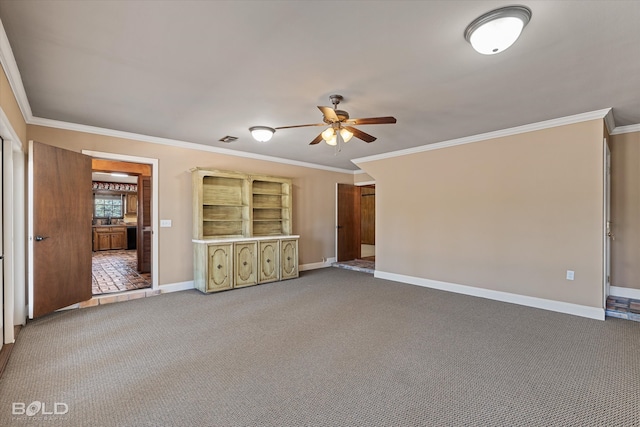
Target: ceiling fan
[(340, 124)]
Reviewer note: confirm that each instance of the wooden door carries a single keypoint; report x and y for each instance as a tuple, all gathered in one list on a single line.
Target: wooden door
[(348, 222), (144, 224), (245, 264), (268, 261), (61, 201)]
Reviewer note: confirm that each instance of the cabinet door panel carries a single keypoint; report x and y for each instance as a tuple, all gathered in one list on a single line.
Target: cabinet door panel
[(289, 259), (104, 241), (268, 260), (245, 264), (219, 268), (117, 241)]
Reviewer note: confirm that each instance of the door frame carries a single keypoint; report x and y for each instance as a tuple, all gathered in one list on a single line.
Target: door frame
[(155, 215), (607, 232), (335, 227), (13, 188)]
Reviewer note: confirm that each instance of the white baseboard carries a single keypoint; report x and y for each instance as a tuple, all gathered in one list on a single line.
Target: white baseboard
[(545, 304), (176, 287), (617, 291), (316, 265)]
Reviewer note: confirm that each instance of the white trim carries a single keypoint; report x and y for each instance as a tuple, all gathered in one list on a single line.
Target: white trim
[(360, 184), (625, 129), (155, 197), (617, 291), (316, 265), (8, 132), (358, 172), (610, 121), (577, 118), (8, 62), (30, 228), (545, 304), (177, 143), (177, 287)]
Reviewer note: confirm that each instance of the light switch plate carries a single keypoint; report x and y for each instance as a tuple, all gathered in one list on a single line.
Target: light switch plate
[(165, 223), (570, 274)]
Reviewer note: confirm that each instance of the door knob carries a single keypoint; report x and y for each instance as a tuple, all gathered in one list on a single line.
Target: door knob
[(41, 238)]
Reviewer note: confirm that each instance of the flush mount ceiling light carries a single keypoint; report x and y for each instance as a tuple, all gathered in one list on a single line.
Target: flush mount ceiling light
[(495, 31), (262, 133)]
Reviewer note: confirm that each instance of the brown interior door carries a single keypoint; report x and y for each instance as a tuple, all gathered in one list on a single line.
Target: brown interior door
[(348, 222), (368, 215), (144, 224), (62, 211)]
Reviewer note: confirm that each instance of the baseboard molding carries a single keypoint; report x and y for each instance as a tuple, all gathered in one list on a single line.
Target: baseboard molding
[(176, 287), (545, 304), (617, 291), (316, 265)]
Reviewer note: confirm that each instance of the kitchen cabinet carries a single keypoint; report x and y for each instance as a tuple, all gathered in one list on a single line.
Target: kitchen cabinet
[(132, 204), (109, 237)]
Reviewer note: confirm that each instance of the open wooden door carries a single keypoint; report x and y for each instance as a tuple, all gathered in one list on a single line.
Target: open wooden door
[(348, 222), (60, 205), (144, 224)]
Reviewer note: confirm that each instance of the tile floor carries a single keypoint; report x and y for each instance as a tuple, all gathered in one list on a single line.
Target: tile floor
[(623, 308), (115, 271), (366, 265)]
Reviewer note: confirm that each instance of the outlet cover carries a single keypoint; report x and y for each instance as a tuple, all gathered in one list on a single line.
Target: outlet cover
[(570, 274), (165, 223)]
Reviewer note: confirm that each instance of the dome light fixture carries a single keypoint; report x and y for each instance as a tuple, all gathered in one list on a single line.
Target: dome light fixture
[(262, 133), (495, 31)]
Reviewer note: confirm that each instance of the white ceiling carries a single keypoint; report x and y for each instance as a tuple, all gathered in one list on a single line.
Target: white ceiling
[(196, 71)]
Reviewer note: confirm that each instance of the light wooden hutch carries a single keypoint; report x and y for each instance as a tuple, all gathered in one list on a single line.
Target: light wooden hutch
[(241, 230)]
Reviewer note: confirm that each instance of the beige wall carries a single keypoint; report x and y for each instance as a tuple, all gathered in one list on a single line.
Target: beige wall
[(313, 194), (625, 210), (10, 107), (511, 214), (362, 177)]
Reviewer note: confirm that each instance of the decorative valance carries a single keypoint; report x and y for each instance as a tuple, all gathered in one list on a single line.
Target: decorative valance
[(115, 186)]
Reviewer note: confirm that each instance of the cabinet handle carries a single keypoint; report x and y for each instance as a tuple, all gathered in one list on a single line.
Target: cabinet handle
[(244, 263), (288, 258), (219, 267), (268, 260)]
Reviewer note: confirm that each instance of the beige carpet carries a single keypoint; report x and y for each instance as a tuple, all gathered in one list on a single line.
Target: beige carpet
[(332, 348)]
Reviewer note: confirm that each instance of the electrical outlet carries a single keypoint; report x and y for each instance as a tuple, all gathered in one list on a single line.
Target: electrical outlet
[(570, 274)]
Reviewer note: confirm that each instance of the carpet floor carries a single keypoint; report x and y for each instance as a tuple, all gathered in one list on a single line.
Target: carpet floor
[(331, 348)]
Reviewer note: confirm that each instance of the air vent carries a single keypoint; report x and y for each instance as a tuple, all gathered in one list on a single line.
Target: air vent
[(228, 138)]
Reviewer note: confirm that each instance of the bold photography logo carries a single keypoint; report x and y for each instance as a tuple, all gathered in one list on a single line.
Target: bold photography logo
[(36, 407)]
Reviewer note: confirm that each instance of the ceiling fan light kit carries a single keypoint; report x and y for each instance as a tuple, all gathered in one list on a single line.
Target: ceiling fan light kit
[(262, 133), (497, 30), (340, 126)]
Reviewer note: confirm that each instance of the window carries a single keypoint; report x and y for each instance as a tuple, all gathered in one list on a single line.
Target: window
[(108, 206)]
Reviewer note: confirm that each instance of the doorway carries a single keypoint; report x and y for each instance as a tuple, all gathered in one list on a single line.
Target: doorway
[(355, 228), (125, 248), (116, 258)]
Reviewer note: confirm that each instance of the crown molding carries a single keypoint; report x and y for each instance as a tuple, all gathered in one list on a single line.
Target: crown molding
[(38, 121), (609, 121), (625, 129), (577, 118), (8, 62)]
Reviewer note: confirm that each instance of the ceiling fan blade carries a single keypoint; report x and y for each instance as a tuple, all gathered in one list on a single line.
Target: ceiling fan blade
[(329, 114), (317, 140), (373, 121), (359, 134), (301, 126)]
